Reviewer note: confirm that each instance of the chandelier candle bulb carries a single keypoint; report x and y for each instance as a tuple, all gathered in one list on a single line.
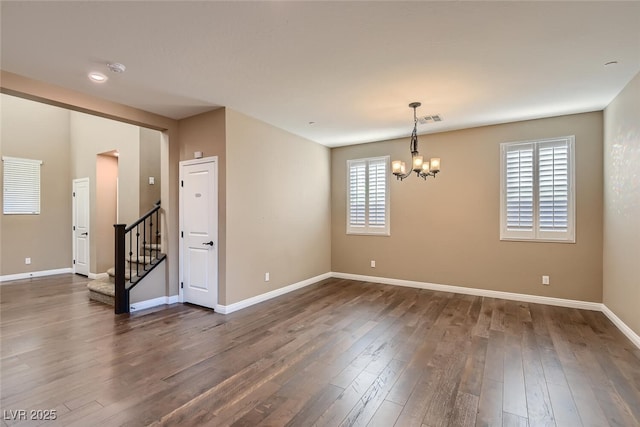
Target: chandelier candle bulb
[(435, 164), (396, 166), (417, 163)]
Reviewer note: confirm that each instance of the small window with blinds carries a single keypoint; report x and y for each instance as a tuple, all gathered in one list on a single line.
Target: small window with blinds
[(368, 196), (537, 197), (21, 186)]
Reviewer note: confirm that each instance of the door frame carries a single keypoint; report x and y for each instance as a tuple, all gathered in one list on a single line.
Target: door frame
[(182, 164), (73, 223)]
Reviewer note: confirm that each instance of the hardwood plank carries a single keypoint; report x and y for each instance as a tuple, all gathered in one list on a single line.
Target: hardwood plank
[(490, 404), (471, 381), (497, 316), (465, 410), (586, 401), (366, 407), (386, 415), (316, 406), (339, 409), (614, 409), (564, 408), (514, 394), (441, 404), (482, 326), (512, 420), (414, 410), (261, 411), (494, 362), (539, 409)]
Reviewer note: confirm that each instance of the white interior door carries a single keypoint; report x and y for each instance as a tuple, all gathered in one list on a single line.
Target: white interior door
[(81, 226), (199, 231)]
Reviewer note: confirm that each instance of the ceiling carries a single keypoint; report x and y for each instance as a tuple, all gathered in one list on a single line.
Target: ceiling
[(337, 73)]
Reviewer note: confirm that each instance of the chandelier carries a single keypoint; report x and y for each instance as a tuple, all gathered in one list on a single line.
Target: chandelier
[(420, 167)]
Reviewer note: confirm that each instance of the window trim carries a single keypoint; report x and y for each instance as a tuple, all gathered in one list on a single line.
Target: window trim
[(25, 181), (368, 230), (537, 235)]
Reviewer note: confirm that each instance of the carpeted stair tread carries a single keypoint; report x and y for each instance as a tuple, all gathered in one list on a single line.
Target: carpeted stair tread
[(142, 259), (112, 273), (103, 286), (102, 290)]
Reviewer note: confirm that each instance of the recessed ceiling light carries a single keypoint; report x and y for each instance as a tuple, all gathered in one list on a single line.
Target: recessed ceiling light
[(610, 63), (94, 76)]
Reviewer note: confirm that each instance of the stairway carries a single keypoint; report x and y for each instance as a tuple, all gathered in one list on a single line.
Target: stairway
[(103, 289)]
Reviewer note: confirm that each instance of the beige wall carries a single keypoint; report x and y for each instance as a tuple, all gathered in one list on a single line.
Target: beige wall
[(204, 132), (106, 212), (37, 131), (23, 87), (278, 208), (621, 263), (207, 133), (446, 230), (150, 166), (91, 136)]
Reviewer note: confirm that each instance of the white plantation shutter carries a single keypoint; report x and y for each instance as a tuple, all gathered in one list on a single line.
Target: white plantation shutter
[(368, 197), (553, 186), (21, 186), (357, 193), (537, 195), (519, 187), (377, 193)]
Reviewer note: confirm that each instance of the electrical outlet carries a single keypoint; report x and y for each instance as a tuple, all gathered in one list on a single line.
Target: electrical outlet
[(545, 280), (27, 261), (373, 263), (266, 277)]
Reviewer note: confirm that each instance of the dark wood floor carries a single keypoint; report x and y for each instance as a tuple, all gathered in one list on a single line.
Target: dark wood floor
[(335, 353)]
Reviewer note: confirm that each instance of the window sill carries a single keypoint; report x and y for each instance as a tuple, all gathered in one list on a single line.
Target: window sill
[(520, 239), (362, 233)]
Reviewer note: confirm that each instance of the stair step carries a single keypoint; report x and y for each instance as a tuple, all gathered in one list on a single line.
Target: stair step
[(102, 290), (112, 274), (141, 259), (152, 246)]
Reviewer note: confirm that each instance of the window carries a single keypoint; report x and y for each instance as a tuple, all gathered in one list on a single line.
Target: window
[(368, 196), (21, 186), (537, 197)]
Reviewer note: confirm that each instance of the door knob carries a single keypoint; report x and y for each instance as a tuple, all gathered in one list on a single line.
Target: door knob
[(84, 234), (209, 243)]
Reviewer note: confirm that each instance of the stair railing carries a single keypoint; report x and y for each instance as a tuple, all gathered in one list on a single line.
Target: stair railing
[(142, 235)]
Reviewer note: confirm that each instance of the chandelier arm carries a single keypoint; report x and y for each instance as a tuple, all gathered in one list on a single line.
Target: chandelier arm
[(403, 176)]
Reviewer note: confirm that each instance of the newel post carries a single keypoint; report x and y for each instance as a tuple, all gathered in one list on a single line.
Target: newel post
[(122, 296)]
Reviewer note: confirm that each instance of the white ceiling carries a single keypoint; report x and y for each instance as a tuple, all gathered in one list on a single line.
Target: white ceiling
[(350, 67)]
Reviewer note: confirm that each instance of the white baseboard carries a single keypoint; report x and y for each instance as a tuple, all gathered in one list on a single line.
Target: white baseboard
[(226, 309), (95, 276), (142, 305), (586, 305), (629, 333), (31, 274)]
